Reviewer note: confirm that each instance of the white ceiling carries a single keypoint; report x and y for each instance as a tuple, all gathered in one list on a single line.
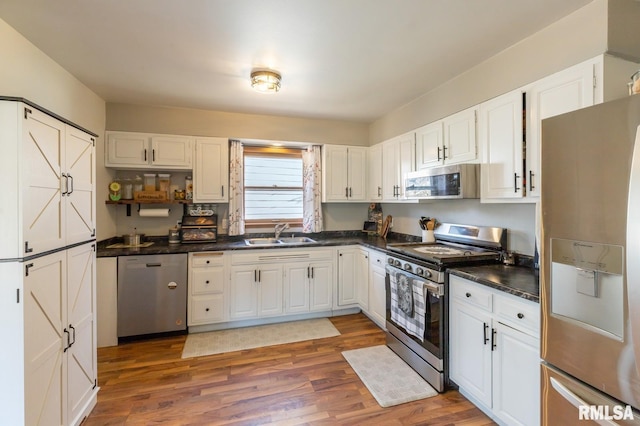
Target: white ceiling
[(352, 60)]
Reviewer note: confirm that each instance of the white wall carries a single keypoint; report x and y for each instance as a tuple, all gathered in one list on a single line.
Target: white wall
[(28, 73)]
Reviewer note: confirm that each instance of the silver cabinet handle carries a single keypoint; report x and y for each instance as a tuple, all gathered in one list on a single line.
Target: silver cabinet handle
[(172, 285)]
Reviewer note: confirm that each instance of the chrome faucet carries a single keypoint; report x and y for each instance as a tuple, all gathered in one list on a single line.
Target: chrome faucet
[(280, 227)]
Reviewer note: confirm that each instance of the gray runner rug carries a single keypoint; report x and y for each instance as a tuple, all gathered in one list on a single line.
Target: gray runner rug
[(389, 379), (237, 339)]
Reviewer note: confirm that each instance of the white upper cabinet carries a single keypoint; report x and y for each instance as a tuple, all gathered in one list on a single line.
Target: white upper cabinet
[(460, 137), (345, 173), (398, 158), (211, 170), (565, 91), (451, 140), (148, 151), (374, 164), (48, 168), (429, 145), (501, 138)]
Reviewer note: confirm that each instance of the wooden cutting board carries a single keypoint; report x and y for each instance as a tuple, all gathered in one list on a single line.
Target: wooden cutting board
[(385, 227)]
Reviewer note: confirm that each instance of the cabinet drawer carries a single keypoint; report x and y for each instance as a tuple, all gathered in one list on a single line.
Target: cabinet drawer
[(471, 293), (207, 281), (207, 259), (207, 309), (377, 260), (518, 313)]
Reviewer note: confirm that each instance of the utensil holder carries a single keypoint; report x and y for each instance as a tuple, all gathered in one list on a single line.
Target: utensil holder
[(428, 236)]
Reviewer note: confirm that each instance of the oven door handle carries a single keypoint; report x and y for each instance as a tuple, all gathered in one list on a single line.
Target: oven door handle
[(437, 289)]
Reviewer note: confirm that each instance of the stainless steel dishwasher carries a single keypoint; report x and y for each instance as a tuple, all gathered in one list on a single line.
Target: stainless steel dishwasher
[(152, 294)]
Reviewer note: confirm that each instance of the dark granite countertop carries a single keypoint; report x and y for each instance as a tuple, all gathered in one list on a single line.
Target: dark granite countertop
[(161, 244), (520, 281)]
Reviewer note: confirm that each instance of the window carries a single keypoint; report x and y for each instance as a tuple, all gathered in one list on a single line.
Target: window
[(272, 186)]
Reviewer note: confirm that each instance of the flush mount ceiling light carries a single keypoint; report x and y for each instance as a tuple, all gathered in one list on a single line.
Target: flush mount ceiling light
[(265, 81)]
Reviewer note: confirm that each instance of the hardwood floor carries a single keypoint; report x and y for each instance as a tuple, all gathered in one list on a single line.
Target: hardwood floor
[(309, 382)]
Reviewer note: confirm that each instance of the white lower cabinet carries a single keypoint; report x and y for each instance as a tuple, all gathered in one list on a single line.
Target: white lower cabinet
[(377, 292), (308, 287), (268, 283), (256, 291), (353, 273), (494, 351), (52, 375), (207, 302)]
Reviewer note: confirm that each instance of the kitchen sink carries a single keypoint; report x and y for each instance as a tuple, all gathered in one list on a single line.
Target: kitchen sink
[(297, 240), (266, 241), (262, 242)]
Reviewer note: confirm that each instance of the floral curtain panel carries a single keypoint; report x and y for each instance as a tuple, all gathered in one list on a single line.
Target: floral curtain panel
[(311, 190), (236, 188)]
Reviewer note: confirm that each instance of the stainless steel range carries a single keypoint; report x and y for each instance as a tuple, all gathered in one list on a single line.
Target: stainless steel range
[(417, 293)]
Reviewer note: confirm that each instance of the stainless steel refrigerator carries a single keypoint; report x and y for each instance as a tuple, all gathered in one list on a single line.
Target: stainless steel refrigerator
[(590, 271)]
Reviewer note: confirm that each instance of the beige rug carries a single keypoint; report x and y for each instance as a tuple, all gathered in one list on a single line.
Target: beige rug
[(237, 339), (389, 379)]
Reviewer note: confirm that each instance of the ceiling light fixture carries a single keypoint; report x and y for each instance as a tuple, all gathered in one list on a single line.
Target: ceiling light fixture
[(265, 81)]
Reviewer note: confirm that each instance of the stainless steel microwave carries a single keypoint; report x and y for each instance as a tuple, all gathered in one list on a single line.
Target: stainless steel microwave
[(444, 182)]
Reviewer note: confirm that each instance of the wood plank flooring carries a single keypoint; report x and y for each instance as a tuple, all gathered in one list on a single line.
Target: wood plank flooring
[(305, 383)]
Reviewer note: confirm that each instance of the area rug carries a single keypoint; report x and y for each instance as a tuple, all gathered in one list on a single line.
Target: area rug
[(389, 379), (237, 339)]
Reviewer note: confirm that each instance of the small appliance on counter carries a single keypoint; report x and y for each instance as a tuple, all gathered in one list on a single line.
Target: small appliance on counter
[(201, 225)]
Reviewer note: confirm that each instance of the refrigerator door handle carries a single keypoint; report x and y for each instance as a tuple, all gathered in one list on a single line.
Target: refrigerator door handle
[(575, 400)]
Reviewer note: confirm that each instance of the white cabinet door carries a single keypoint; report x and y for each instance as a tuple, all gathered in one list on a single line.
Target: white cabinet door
[(80, 166), (270, 298), (127, 149), (390, 170), (344, 176), (357, 179), (398, 158), (171, 151), (362, 279), (565, 91), (243, 292), (211, 170), (470, 350), (460, 137), (46, 334), (82, 363), (43, 209), (516, 377), (500, 134), (336, 187), (377, 291), (347, 290), (374, 188), (429, 145), (296, 288), (321, 286)]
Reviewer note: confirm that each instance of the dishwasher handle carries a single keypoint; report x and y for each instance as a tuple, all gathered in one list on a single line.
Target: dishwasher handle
[(154, 265)]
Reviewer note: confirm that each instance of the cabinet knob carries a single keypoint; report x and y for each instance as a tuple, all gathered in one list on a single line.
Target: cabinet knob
[(206, 282), (208, 261), (520, 315), (207, 309), (468, 294)]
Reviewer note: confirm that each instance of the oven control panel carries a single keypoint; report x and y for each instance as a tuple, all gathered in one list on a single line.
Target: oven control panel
[(415, 269)]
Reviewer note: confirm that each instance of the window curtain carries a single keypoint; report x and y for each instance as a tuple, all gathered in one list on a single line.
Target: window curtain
[(311, 190), (236, 188)]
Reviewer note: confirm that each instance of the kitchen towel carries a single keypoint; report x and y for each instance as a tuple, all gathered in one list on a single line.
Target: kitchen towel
[(413, 324), (154, 212)]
